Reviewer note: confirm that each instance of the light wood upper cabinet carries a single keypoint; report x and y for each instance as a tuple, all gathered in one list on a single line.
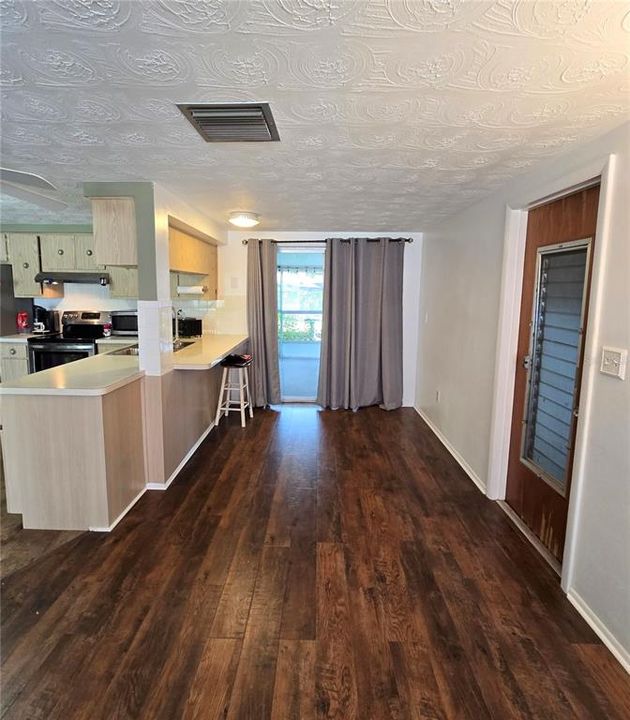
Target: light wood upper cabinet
[(84, 252), (123, 281), (114, 225), (4, 248), (24, 256), (194, 260), (189, 254), (58, 252), (212, 277)]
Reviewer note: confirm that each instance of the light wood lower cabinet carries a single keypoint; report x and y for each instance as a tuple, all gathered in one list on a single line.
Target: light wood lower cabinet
[(13, 361), (12, 369), (87, 465)]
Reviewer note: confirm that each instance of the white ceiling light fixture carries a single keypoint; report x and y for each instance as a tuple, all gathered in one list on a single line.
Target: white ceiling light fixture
[(244, 219)]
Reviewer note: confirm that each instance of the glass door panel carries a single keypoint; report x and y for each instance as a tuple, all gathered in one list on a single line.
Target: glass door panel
[(553, 360), (300, 305)]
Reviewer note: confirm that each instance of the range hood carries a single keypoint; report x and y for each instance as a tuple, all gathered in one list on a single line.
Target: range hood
[(55, 278)]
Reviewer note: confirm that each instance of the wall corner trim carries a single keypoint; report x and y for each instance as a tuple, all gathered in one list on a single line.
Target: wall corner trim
[(460, 460), (115, 522), (600, 629)]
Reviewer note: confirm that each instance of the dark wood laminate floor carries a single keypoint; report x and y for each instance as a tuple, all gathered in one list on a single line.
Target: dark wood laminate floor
[(20, 547), (314, 565)]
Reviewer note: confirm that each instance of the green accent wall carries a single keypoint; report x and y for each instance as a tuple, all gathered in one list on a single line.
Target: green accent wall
[(143, 195)]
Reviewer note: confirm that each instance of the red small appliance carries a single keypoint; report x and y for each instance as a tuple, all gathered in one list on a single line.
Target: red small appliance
[(21, 321)]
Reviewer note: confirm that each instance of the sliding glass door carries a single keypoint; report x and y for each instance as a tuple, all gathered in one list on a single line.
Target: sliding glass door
[(300, 306)]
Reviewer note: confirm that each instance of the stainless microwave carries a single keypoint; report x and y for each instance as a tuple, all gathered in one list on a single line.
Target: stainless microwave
[(124, 322)]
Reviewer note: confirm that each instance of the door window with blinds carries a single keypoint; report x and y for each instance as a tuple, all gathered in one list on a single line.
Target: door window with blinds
[(553, 360)]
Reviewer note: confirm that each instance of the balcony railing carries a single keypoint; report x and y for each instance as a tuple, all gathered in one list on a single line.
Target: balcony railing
[(296, 326)]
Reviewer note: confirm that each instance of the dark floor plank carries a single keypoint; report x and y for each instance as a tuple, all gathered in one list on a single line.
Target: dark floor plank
[(132, 686), (211, 687), (415, 681), (252, 696), (294, 692), (311, 565), (459, 688), (233, 611), (335, 665)]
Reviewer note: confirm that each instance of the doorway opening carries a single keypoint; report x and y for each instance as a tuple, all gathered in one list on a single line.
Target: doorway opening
[(300, 309)]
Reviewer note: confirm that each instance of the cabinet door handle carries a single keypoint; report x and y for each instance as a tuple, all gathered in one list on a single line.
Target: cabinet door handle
[(25, 265), (12, 351), (89, 253), (60, 252)]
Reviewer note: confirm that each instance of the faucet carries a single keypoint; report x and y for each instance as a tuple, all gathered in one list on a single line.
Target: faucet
[(176, 318)]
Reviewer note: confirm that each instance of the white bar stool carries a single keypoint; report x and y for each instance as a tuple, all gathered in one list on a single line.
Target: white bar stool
[(230, 385)]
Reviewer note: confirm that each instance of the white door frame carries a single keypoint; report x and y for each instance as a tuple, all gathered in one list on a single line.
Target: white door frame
[(507, 336)]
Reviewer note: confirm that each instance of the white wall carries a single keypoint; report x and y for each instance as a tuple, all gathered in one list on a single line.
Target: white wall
[(459, 311), (231, 315), (86, 297)]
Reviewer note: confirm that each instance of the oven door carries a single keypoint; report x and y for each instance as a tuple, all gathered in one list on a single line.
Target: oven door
[(45, 355)]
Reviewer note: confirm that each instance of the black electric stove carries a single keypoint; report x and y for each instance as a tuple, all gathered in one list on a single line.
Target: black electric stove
[(77, 340)]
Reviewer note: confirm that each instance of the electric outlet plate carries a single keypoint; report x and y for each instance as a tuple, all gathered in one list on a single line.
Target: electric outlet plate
[(614, 362)]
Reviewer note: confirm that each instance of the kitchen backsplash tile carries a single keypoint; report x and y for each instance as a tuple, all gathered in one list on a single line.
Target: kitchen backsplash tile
[(86, 297), (228, 315)]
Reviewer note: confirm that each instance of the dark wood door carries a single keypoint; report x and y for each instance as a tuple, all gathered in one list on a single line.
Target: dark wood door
[(554, 310)]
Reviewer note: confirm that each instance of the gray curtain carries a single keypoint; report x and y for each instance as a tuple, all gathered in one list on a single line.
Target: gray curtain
[(361, 355), (262, 320)]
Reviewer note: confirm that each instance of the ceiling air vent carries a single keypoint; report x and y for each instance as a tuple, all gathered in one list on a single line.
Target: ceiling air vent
[(240, 122)]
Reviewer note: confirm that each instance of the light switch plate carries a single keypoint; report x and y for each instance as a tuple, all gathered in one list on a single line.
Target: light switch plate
[(614, 362)]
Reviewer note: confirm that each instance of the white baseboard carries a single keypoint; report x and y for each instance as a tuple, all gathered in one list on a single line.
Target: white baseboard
[(121, 516), (460, 460), (156, 486), (189, 454), (604, 634), (600, 629)]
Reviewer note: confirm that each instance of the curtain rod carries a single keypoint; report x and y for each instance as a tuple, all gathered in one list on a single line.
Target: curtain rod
[(320, 242)]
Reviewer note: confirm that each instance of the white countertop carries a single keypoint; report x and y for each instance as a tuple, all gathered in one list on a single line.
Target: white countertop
[(118, 340), (18, 337), (103, 373), (113, 340), (206, 352), (96, 375)]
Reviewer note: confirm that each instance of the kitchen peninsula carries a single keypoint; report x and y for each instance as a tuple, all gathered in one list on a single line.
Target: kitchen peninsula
[(75, 436)]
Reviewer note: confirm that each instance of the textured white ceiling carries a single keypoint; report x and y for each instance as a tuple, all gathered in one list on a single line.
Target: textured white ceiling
[(392, 113)]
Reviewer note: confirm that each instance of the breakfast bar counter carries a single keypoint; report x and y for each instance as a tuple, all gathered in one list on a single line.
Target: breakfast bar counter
[(207, 351)]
